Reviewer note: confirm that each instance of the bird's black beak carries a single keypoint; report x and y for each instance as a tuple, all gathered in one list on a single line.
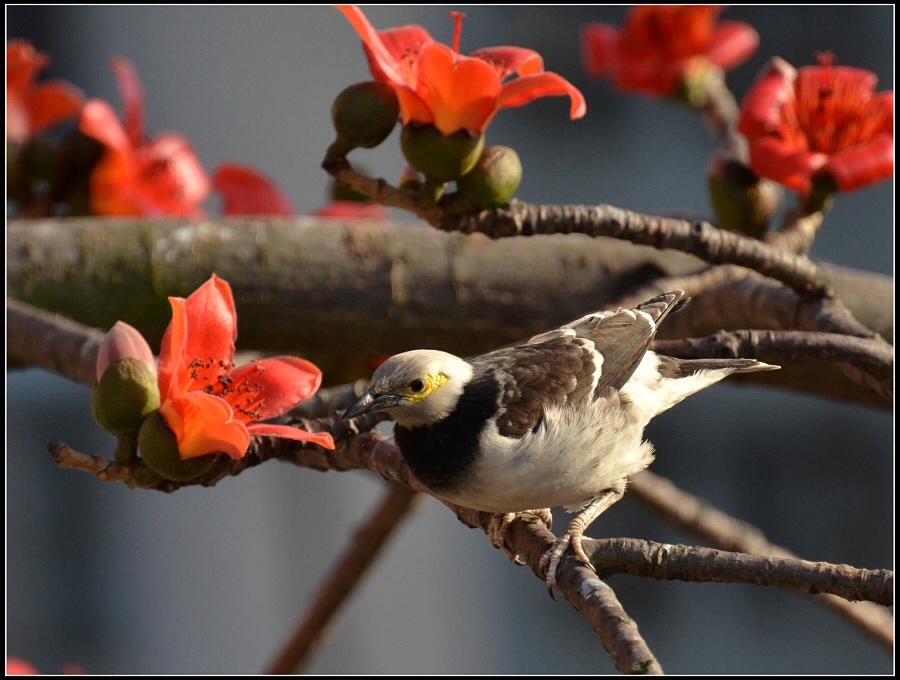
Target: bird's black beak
[(372, 402)]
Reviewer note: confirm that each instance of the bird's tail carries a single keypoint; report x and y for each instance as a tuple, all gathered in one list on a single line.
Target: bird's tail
[(684, 377), (670, 367)]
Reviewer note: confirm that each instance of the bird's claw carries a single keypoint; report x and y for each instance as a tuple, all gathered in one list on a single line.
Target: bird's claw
[(550, 560), (499, 527)]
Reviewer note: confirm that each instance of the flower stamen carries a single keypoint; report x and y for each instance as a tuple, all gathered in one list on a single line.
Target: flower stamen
[(457, 28)]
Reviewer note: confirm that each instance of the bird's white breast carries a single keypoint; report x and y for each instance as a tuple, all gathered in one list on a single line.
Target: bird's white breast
[(577, 453)]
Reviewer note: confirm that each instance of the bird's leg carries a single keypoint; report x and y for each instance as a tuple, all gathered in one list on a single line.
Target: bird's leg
[(499, 525), (575, 532)]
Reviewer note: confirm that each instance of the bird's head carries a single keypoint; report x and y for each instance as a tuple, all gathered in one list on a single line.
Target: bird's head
[(415, 388)]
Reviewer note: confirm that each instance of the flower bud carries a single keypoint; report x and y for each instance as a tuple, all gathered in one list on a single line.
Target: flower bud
[(440, 158), (159, 451), (493, 180), (364, 115), (742, 201), (122, 342), (125, 394)]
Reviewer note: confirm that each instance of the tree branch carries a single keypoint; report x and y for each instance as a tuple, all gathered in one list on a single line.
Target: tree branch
[(699, 238), (310, 284), (865, 361), (706, 565), (725, 532)]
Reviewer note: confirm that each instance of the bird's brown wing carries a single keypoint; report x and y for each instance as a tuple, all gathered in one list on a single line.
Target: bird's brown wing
[(535, 377), (624, 336)]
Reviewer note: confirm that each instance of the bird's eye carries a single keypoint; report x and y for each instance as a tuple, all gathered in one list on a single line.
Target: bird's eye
[(417, 385)]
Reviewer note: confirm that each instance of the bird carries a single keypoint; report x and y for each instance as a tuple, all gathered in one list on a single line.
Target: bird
[(556, 421)]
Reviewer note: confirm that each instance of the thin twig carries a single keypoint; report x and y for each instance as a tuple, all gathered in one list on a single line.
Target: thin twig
[(699, 238), (723, 531), (345, 577)]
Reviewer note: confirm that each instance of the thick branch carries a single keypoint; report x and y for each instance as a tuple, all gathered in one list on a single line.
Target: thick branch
[(311, 284), (374, 289)]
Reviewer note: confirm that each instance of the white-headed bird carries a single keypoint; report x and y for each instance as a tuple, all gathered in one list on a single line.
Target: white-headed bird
[(558, 421)]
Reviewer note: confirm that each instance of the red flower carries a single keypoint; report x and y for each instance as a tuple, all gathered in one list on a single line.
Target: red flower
[(659, 46), (820, 120), (436, 84), (135, 176), (246, 191), (19, 667), (29, 107), (211, 406)]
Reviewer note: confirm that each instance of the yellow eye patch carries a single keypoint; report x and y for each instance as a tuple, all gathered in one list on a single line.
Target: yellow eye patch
[(432, 382)]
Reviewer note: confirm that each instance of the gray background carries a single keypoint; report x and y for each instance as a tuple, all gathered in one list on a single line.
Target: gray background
[(212, 580)]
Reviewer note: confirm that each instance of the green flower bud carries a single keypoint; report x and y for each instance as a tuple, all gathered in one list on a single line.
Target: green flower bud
[(159, 450), (493, 180), (364, 115), (742, 201), (125, 394), (440, 158)]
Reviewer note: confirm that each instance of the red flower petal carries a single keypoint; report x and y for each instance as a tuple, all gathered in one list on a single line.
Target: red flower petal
[(23, 63), (403, 44), (132, 96), (323, 439), (862, 165), (281, 382), (508, 60), (211, 322), (246, 191), (523, 90), (17, 666), (169, 178), (98, 120), (761, 107), (732, 43), (461, 92), (172, 358), (780, 161), (379, 55), (198, 345), (599, 48), (51, 102), (886, 99), (205, 424)]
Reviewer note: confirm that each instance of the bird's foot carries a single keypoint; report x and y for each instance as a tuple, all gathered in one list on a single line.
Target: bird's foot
[(499, 527), (572, 537), (575, 533)]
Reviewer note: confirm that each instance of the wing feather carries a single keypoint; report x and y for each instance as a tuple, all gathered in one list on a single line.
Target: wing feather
[(534, 377)]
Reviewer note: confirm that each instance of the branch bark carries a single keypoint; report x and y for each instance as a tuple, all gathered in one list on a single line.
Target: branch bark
[(305, 282), (343, 293)]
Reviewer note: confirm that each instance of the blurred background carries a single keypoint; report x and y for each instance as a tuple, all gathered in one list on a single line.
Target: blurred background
[(213, 580)]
